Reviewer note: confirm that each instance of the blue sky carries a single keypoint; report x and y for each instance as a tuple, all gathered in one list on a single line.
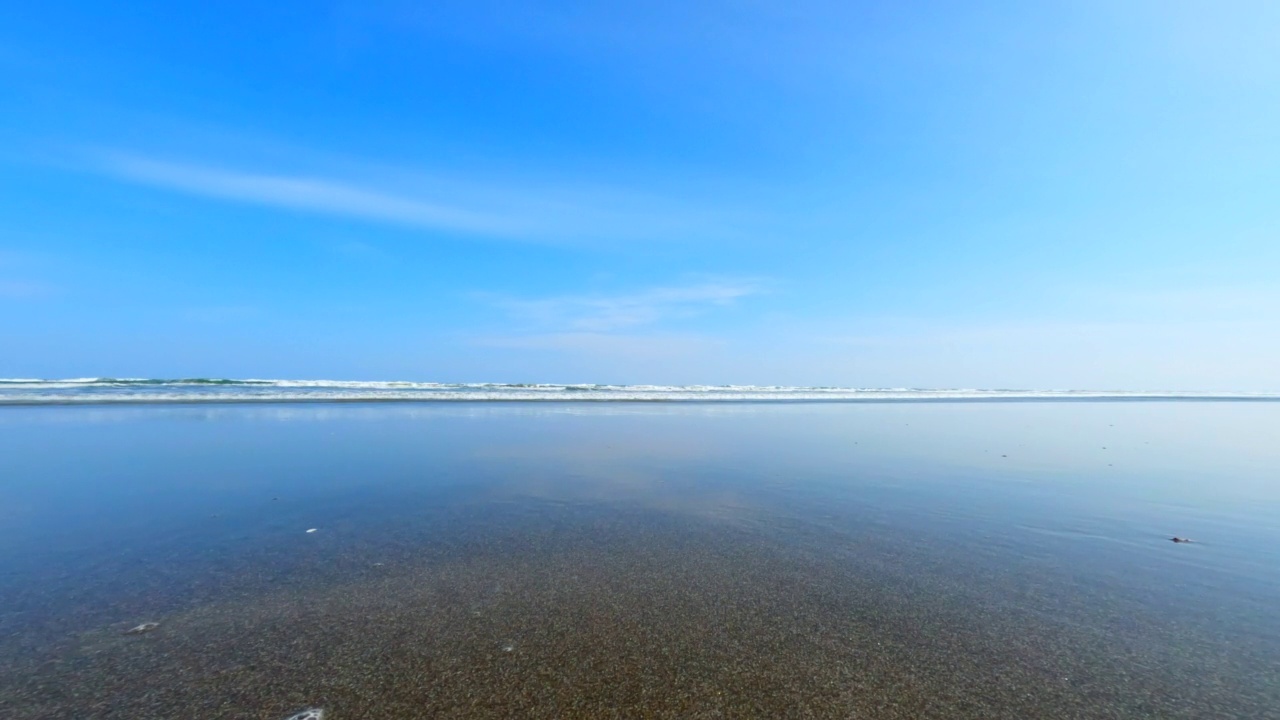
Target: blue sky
[(991, 194)]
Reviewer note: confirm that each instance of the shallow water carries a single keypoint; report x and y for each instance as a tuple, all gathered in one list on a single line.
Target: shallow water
[(943, 560)]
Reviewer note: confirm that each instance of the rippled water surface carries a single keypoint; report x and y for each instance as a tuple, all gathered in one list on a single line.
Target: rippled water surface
[(948, 560)]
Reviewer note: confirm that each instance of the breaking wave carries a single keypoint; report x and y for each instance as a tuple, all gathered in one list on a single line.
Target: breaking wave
[(221, 390)]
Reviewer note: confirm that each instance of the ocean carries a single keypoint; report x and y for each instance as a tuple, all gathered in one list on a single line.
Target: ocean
[(18, 391), (623, 552)]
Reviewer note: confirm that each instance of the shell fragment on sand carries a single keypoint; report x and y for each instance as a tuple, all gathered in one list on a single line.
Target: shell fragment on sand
[(308, 714), (145, 627)]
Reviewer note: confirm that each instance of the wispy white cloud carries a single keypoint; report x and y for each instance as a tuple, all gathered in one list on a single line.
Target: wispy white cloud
[(629, 333), (528, 210), (1097, 353), (609, 313), (632, 347), (302, 193)]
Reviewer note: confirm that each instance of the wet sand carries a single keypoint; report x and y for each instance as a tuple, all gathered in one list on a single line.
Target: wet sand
[(628, 615), (620, 585)]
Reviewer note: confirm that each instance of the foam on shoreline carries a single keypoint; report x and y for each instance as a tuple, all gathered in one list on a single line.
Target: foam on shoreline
[(84, 391)]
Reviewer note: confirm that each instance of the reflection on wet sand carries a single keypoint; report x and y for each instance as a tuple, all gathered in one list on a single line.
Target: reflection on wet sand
[(770, 562)]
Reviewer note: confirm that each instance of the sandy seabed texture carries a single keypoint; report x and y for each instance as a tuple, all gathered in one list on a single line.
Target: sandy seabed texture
[(621, 616)]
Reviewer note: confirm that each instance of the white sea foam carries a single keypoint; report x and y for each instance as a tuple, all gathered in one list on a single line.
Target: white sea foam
[(214, 390)]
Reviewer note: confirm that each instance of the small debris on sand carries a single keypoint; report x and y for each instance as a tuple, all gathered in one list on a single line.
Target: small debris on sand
[(145, 627), (1177, 539), (308, 714), (311, 530)]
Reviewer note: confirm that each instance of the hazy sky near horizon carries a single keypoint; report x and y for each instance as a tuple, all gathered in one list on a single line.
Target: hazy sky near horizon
[(925, 194)]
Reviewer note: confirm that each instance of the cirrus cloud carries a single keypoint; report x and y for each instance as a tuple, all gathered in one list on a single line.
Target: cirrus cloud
[(608, 313), (529, 211)]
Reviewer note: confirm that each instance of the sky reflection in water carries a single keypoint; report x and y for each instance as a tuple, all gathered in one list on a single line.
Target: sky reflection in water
[(114, 515)]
